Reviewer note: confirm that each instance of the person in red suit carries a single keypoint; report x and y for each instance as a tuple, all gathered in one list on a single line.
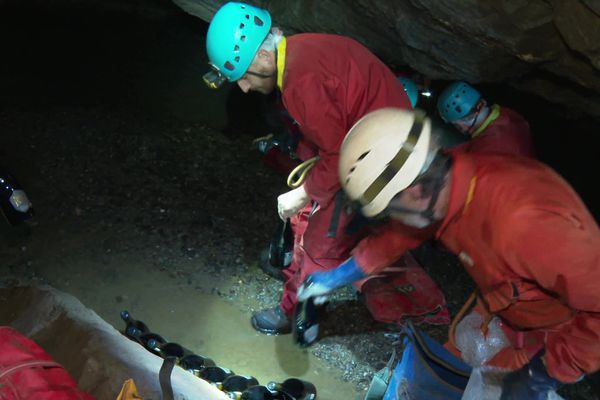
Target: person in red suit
[(327, 83)]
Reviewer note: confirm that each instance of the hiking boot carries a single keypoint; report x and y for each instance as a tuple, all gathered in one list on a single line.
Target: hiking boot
[(271, 321)]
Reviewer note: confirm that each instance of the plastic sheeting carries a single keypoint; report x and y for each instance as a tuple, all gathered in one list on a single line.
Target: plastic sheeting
[(96, 355)]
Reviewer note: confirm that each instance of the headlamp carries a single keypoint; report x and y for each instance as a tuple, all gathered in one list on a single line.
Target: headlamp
[(18, 199), (214, 79), (14, 203)]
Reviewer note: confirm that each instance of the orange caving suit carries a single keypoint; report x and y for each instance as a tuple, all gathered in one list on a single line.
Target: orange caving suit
[(327, 83), (508, 133), (532, 248)]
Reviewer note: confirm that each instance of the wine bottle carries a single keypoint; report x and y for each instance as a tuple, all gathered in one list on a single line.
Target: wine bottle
[(215, 374), (239, 383), (282, 245), (152, 342), (263, 393), (295, 388), (306, 324), (194, 363), (236, 384), (168, 349), (133, 326)]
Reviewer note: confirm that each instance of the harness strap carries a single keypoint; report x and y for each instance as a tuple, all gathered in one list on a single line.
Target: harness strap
[(164, 377), (335, 217), (432, 356)]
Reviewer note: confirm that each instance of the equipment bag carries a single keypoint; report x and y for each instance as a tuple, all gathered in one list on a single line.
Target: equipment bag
[(404, 291), (427, 370), (28, 372)]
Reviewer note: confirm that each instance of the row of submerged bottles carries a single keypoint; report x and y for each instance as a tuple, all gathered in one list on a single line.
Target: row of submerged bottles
[(241, 387)]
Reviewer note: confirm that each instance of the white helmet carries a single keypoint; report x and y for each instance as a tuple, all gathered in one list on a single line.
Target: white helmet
[(383, 154)]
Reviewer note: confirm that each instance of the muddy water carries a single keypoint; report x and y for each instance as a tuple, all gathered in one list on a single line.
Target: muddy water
[(207, 325)]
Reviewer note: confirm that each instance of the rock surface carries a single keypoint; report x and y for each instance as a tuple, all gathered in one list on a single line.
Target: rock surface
[(549, 48)]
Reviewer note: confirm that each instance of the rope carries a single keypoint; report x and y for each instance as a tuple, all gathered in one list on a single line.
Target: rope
[(468, 304), (298, 174)]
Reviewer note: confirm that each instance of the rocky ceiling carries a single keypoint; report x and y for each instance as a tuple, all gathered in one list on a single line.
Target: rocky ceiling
[(547, 47)]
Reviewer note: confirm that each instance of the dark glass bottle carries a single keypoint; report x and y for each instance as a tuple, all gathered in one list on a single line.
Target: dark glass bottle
[(263, 393), (151, 341), (282, 245), (306, 324), (295, 388), (234, 385), (168, 349), (194, 363), (215, 375), (133, 327)]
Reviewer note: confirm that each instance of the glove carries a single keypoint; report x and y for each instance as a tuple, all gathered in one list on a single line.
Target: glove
[(319, 284), (288, 204), (531, 382)]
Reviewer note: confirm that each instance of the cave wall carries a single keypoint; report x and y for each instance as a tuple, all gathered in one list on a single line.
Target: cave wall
[(547, 47)]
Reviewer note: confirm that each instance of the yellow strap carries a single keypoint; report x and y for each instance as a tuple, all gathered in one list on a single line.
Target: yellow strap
[(300, 172), (280, 62), (129, 391), (491, 118), (470, 193)]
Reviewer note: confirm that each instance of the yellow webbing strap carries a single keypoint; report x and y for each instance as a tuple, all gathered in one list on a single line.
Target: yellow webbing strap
[(129, 391), (491, 118), (280, 62), (470, 194)]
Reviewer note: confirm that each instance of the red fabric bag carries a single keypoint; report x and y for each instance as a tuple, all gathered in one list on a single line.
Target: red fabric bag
[(27, 372), (405, 291)]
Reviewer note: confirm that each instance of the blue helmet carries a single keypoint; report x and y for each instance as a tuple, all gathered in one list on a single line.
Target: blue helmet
[(457, 101), (411, 90), (234, 36)]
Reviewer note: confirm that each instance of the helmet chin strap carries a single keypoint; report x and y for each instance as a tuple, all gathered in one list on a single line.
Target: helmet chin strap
[(262, 76)]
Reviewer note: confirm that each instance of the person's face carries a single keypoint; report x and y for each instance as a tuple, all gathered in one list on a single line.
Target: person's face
[(263, 64), (416, 200), (410, 199), (469, 123), (465, 125)]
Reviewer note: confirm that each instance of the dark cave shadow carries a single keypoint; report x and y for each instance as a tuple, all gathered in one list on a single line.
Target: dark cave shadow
[(349, 317)]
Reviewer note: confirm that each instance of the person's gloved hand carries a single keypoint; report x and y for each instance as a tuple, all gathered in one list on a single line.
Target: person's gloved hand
[(289, 203), (531, 382), (319, 284)]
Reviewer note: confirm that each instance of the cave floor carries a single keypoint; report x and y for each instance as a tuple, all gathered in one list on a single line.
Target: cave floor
[(143, 203)]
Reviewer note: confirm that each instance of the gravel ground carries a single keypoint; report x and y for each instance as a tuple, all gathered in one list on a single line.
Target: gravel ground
[(189, 201)]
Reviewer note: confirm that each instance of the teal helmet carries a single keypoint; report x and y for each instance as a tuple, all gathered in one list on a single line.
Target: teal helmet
[(234, 36), (457, 101), (411, 90)]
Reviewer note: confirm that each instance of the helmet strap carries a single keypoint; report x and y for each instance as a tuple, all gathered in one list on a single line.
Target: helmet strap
[(481, 113), (262, 76)]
